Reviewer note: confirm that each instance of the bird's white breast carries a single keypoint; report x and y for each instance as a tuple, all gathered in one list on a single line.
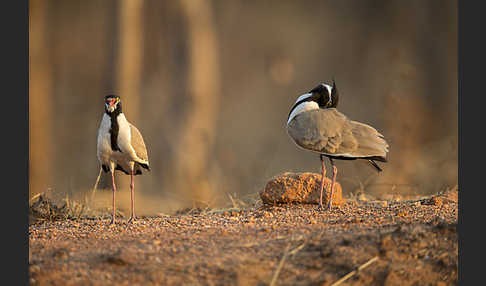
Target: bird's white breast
[(124, 132), (125, 136), (104, 147), (303, 107), (105, 153)]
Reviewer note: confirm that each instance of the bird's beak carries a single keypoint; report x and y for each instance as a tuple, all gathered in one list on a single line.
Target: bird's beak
[(110, 105)]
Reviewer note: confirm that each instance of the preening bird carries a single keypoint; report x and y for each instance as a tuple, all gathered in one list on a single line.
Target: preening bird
[(315, 124), (120, 147)]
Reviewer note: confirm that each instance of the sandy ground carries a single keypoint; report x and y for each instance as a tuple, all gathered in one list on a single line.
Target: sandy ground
[(410, 242)]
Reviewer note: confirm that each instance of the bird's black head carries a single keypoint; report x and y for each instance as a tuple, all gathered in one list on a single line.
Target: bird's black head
[(113, 104), (324, 95), (321, 94)]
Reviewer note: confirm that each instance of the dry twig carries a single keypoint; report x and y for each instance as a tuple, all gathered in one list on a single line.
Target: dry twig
[(350, 274), (297, 249), (280, 265)]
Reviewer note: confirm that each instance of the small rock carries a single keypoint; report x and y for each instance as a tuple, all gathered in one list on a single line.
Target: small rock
[(60, 254), (118, 258), (303, 188), (268, 214), (436, 201)]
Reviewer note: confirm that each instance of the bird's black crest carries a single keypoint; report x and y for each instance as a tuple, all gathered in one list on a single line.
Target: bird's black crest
[(334, 95)]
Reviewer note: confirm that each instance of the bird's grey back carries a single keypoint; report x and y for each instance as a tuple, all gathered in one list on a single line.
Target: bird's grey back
[(330, 132)]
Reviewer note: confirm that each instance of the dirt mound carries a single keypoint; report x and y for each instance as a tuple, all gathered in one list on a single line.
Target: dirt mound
[(45, 207)]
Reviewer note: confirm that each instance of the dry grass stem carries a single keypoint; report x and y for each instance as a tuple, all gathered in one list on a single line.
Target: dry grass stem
[(350, 274), (96, 185), (297, 249), (280, 265)]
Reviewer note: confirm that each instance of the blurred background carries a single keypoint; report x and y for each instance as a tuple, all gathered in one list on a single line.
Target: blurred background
[(210, 83)]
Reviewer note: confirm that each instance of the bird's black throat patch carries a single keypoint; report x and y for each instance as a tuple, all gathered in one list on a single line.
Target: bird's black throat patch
[(114, 128)]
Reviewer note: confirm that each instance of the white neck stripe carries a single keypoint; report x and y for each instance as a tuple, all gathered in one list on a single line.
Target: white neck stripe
[(302, 107), (329, 89), (303, 96)]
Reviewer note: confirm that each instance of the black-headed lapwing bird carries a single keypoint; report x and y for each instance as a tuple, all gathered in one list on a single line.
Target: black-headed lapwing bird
[(315, 124), (120, 147)]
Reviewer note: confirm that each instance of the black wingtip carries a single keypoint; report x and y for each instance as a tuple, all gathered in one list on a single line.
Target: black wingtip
[(373, 163), (145, 166)]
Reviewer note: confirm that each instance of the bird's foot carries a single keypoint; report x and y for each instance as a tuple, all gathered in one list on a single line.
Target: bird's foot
[(131, 220), (329, 205), (112, 222), (321, 208)]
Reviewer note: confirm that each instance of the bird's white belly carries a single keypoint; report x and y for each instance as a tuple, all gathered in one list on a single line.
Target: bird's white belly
[(105, 153)]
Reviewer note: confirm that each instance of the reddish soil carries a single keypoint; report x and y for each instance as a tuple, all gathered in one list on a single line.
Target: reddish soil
[(414, 242)]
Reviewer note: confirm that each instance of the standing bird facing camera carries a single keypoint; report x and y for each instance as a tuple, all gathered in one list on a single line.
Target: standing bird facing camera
[(120, 147), (315, 124)]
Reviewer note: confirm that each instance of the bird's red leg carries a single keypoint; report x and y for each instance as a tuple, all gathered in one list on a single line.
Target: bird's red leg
[(132, 197), (334, 173), (322, 180), (114, 191)]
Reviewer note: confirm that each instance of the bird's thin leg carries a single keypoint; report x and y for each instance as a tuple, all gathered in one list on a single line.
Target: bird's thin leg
[(114, 191), (322, 180), (334, 173), (132, 197)]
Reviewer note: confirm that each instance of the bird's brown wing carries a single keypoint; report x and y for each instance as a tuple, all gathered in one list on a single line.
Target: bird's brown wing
[(330, 132), (370, 141), (138, 144)]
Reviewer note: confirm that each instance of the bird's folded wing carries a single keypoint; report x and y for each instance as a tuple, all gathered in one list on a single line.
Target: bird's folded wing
[(138, 144), (330, 132), (370, 141)]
